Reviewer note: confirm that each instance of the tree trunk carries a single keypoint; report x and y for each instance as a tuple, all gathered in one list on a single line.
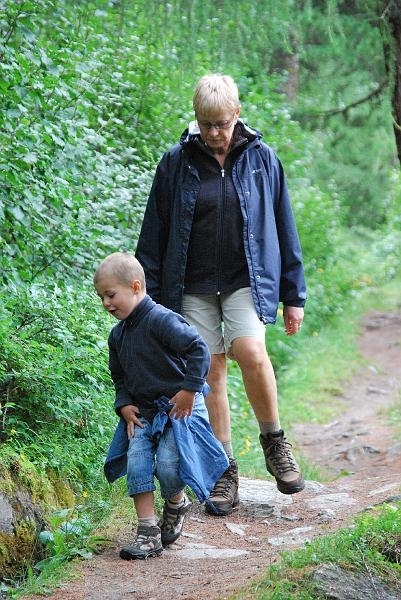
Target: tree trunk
[(394, 20), (291, 62)]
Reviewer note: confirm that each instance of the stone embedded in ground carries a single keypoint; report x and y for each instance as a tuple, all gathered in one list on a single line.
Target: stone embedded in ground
[(297, 536), (340, 584), (327, 501), (202, 551), (6, 515)]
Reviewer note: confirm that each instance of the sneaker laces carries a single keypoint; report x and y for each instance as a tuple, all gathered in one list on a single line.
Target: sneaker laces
[(143, 538), (172, 515), (281, 456)]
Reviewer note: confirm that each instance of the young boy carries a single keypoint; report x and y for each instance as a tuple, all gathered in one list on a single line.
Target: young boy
[(158, 364)]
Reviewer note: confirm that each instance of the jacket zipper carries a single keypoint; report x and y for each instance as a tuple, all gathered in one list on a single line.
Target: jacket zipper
[(220, 229)]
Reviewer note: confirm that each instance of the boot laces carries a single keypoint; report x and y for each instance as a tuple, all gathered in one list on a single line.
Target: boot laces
[(224, 484), (281, 456)]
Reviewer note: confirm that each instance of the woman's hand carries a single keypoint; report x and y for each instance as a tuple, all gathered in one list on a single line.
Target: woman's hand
[(293, 319)]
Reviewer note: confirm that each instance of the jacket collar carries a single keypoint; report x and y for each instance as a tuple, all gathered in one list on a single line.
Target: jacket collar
[(139, 312)]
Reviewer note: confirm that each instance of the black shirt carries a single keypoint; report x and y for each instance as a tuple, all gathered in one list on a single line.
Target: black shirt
[(216, 260)]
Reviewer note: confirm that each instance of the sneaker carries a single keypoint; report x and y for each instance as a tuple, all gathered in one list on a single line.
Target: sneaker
[(146, 543), (281, 464), (172, 521), (224, 496)]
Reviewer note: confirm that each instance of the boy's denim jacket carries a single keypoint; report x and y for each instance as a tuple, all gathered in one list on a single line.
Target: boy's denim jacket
[(202, 457)]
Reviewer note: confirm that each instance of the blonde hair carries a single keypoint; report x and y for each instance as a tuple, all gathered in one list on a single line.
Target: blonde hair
[(123, 266), (214, 93)]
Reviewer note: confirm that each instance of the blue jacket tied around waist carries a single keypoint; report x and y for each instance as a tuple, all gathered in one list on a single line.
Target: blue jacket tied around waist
[(202, 457)]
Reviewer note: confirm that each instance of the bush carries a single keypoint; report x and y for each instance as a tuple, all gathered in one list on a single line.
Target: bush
[(55, 392)]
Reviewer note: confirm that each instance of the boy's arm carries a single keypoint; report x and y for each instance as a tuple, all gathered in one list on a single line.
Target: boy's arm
[(122, 395), (183, 339)]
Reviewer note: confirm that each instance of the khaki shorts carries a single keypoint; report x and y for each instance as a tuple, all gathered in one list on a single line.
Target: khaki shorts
[(222, 318)]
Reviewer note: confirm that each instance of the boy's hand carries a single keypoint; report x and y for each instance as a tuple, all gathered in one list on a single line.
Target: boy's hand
[(183, 404), (130, 415)]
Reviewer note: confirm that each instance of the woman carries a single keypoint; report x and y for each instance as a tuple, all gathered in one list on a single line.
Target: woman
[(219, 244)]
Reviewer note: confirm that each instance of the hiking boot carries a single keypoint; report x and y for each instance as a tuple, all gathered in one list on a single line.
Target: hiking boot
[(224, 496), (146, 543), (172, 521), (281, 464)]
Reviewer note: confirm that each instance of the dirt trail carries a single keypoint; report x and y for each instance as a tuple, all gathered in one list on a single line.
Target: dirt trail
[(216, 556)]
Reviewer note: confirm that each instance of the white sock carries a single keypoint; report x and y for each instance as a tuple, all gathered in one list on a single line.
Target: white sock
[(228, 449), (273, 427), (148, 522)]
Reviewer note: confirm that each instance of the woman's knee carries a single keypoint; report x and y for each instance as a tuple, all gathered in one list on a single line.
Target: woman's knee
[(250, 352)]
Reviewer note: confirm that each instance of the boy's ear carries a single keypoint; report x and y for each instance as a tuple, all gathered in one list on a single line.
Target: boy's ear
[(136, 286)]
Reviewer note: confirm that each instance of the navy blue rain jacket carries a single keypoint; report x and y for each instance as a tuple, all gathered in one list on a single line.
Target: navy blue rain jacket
[(271, 241)]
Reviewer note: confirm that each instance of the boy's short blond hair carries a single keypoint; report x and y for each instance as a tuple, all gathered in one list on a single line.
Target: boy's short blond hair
[(214, 93), (123, 266)]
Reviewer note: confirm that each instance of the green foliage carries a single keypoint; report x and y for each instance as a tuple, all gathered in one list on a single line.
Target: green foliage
[(344, 98), (67, 186), (70, 535), (86, 116), (358, 545), (54, 386)]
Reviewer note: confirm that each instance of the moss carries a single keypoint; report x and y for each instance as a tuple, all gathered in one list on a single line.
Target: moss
[(64, 494), (33, 495), (45, 488), (7, 485), (19, 550)]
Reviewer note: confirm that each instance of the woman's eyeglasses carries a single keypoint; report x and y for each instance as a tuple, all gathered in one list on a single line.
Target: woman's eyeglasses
[(217, 125)]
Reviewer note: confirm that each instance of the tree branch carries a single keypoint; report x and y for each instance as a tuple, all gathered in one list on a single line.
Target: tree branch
[(345, 109)]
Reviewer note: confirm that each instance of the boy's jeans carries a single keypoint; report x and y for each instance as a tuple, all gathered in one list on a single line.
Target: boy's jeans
[(147, 459)]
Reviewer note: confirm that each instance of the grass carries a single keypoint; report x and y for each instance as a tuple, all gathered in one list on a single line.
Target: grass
[(310, 388), (372, 545), (323, 363)]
